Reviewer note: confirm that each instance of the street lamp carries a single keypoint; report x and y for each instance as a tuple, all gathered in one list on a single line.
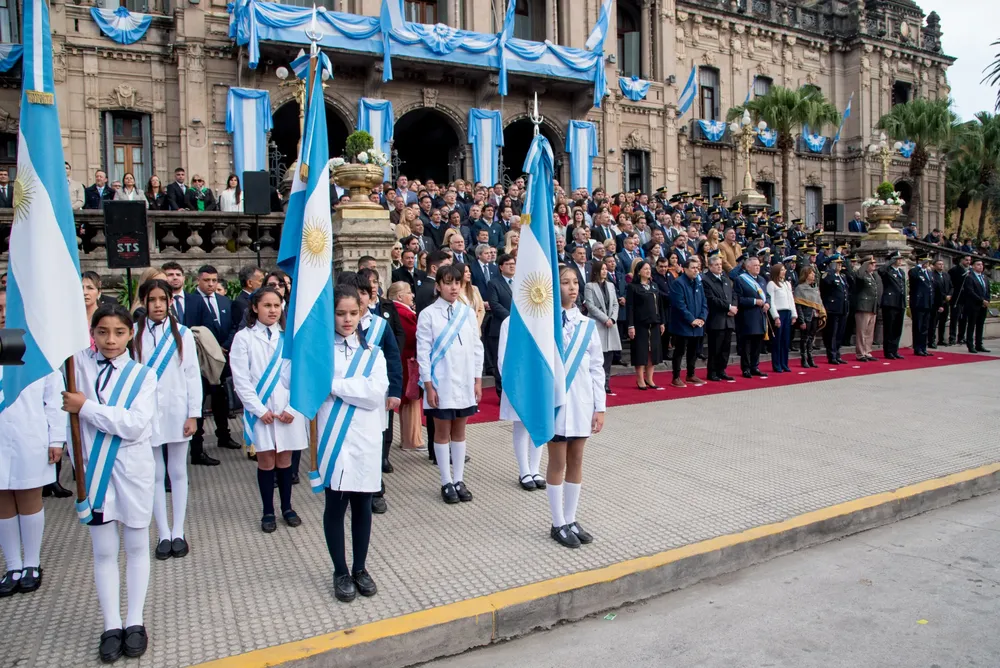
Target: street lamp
[(746, 133), (300, 91), (882, 150)]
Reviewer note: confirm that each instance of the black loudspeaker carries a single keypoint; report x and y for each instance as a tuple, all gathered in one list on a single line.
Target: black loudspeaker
[(833, 218), (125, 231), (256, 193)]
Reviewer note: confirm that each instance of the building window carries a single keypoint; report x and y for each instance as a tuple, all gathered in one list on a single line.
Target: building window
[(8, 22), (629, 59), (762, 86), (710, 187), (814, 207), (901, 92), (416, 11), (636, 171), (127, 147), (767, 190), (708, 90)]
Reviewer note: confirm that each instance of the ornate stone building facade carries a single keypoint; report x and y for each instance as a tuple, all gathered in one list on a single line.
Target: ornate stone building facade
[(161, 102)]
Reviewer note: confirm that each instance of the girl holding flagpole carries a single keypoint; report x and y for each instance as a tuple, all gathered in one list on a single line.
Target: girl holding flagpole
[(116, 402), (169, 350), (260, 378), (450, 356), (581, 415)]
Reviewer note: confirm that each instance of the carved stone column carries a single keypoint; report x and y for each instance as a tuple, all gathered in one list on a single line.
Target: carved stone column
[(645, 39), (550, 20), (362, 231)]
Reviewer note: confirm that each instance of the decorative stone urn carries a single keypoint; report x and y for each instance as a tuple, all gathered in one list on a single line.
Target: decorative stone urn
[(884, 215), (359, 180)]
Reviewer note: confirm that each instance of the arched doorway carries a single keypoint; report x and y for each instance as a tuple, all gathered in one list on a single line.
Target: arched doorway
[(517, 139), (285, 133), (426, 144), (905, 191)]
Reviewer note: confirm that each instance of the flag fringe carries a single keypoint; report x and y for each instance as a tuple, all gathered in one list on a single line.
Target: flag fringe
[(39, 97)]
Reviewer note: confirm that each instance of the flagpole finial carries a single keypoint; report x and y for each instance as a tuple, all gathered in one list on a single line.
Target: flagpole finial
[(313, 33), (535, 118)]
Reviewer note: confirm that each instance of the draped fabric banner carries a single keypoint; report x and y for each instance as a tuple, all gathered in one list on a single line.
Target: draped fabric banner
[(814, 143), (9, 55), (486, 136), (906, 150), (634, 89), (120, 24), (713, 130), (376, 118), (248, 119), (768, 138), (581, 144)]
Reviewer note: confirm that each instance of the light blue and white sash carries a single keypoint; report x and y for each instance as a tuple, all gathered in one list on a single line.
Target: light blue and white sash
[(338, 423), (265, 388), (2, 404), (573, 354), (749, 280), (104, 449), (164, 351), (376, 331), (447, 337)]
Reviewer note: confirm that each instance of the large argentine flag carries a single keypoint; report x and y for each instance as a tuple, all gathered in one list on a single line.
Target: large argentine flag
[(306, 254), (534, 378), (595, 42), (44, 296), (390, 18)]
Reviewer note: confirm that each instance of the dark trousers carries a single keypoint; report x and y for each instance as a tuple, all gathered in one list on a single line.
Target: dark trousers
[(957, 322), (921, 328), (386, 447), (608, 357), (782, 341), (219, 401), (492, 349), (685, 346), (806, 338), (750, 355), (939, 320), (975, 321), (892, 329), (836, 323), (719, 343), (361, 528), (489, 362)]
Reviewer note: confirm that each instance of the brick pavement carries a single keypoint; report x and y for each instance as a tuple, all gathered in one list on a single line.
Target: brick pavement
[(661, 476)]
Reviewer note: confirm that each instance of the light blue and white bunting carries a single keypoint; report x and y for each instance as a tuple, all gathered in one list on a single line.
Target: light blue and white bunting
[(843, 119), (768, 137), (121, 25), (44, 296), (814, 142), (506, 34), (712, 130), (301, 64), (486, 137), (306, 254), (248, 120), (390, 19), (534, 379), (633, 88), (906, 150), (376, 118), (595, 42), (689, 93), (9, 55), (581, 144)]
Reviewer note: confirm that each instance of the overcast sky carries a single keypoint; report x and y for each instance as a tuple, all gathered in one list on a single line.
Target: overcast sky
[(969, 26)]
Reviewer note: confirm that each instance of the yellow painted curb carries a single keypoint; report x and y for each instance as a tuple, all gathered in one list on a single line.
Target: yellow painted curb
[(489, 604)]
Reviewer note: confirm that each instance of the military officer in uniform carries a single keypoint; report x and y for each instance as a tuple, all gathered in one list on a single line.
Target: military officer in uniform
[(893, 305), (921, 303), (865, 299), (942, 300), (836, 301)]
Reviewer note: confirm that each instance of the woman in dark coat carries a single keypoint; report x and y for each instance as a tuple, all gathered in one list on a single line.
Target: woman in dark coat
[(645, 316)]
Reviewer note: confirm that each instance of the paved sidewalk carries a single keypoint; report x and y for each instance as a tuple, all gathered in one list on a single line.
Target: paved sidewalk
[(661, 476)]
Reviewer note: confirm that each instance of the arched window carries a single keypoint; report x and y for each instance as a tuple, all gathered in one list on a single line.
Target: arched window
[(629, 40)]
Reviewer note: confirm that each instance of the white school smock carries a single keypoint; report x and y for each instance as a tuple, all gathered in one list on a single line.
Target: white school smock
[(130, 495), (586, 395), (28, 428), (507, 411), (365, 324), (249, 356), (359, 464), (461, 366), (178, 390)]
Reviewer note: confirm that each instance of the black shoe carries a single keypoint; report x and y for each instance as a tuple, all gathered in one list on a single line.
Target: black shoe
[(464, 495), (725, 376), (204, 460), (364, 583), (712, 377), (641, 387), (163, 550), (386, 466), (60, 492), (179, 547), (295, 478), (31, 579), (584, 537), (951, 342), (841, 360), (539, 481), (961, 342), (982, 350), (252, 457), (565, 536), (379, 506), (747, 374), (111, 647), (8, 585), (468, 458), (268, 524), (448, 494), (758, 373), (344, 589), (166, 486), (528, 483), (898, 356), (229, 444), (932, 346), (291, 518), (136, 641)]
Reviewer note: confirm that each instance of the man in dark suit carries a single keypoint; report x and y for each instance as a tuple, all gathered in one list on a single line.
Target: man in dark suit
[(499, 294), (409, 273), (483, 269), (921, 303), (96, 195), (579, 262), (857, 224), (426, 294), (893, 305), (751, 318), (205, 308), (976, 304), (177, 199), (837, 302), (722, 308), (6, 190), (958, 274), (942, 299), (602, 230), (251, 278)]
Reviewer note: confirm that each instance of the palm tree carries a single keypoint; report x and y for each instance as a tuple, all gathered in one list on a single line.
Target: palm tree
[(926, 123), (981, 145), (961, 187), (992, 77), (786, 111)]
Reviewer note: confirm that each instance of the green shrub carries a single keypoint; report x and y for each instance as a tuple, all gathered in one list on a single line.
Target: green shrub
[(885, 190), (356, 143)]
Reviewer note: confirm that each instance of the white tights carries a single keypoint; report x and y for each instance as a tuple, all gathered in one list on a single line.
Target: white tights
[(177, 468), (529, 458), (105, 539)]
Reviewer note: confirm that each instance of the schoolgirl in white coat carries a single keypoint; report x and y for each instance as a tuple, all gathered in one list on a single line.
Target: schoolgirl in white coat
[(450, 356), (270, 425), (32, 435), (581, 415), (529, 457), (116, 401), (349, 425), (169, 350)]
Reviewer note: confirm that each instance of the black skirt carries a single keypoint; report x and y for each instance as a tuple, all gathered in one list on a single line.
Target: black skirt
[(451, 413), (646, 347)]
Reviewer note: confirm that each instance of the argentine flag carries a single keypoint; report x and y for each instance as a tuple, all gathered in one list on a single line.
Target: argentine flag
[(44, 295), (843, 119), (687, 96), (306, 254), (301, 64), (533, 377), (600, 32), (390, 18)]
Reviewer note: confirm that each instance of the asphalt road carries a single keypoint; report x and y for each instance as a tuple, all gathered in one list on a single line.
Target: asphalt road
[(924, 592)]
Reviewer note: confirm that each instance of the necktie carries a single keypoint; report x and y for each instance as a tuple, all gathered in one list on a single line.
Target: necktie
[(510, 282), (451, 310), (565, 318), (211, 309), (268, 330), (104, 370)]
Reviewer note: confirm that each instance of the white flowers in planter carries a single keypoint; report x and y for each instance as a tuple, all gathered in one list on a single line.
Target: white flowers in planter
[(895, 200), (337, 162)]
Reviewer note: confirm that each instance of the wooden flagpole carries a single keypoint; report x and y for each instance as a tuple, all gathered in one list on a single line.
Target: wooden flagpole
[(76, 439), (313, 36)]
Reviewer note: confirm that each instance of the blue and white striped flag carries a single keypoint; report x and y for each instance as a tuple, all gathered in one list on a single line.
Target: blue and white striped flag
[(690, 91), (581, 144), (534, 379), (843, 119), (506, 34), (301, 64), (600, 32), (486, 136), (750, 91), (391, 18), (248, 119), (44, 294), (306, 254)]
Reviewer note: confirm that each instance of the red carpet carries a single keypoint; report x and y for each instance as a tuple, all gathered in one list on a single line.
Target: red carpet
[(627, 393)]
